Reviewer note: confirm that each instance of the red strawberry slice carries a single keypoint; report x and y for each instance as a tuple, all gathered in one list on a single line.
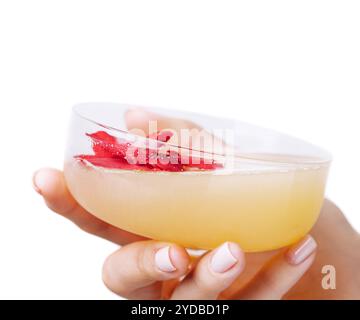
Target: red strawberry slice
[(114, 153), (104, 144), (171, 161), (163, 135)]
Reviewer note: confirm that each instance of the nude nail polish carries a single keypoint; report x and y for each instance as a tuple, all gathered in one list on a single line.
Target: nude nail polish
[(35, 183), (163, 260), (301, 251), (223, 259)]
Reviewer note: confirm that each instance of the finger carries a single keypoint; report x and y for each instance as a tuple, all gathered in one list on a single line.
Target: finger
[(139, 119), (136, 270), (50, 183), (281, 273), (214, 273)]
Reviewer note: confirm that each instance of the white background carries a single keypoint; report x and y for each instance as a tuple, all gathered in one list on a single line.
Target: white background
[(290, 65)]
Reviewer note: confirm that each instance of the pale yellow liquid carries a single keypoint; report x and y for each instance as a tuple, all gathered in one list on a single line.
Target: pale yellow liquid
[(259, 210)]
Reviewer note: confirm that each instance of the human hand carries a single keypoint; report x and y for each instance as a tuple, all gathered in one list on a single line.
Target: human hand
[(147, 269)]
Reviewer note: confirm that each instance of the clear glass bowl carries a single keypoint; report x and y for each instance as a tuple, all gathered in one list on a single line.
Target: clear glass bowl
[(204, 181)]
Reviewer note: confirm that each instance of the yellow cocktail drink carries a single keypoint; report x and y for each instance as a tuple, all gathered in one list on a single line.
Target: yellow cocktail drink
[(260, 210)]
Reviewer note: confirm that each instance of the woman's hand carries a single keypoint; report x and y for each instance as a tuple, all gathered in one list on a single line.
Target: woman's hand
[(146, 269)]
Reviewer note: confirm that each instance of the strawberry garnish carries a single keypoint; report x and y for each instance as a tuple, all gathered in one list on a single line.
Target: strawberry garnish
[(104, 144), (114, 153)]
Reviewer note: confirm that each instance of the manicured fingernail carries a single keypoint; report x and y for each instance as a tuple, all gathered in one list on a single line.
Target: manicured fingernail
[(223, 259), (301, 251), (163, 261), (36, 182)]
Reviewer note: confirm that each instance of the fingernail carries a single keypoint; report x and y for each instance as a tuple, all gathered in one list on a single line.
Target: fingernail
[(36, 182), (223, 259), (163, 261), (301, 251)]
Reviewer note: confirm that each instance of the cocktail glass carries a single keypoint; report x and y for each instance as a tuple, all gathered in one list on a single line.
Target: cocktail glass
[(219, 180)]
